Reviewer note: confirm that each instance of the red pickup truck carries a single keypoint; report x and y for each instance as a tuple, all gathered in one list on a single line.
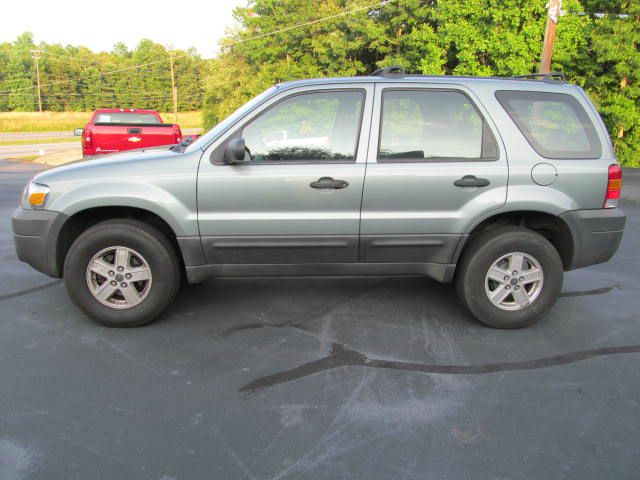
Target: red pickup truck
[(112, 130)]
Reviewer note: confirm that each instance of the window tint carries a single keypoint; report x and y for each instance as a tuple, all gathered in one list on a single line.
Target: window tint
[(319, 126), (432, 125), (554, 124)]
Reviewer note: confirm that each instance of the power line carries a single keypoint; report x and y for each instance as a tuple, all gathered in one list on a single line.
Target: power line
[(64, 80), (65, 95), (120, 70), (105, 92), (229, 44), (312, 22)]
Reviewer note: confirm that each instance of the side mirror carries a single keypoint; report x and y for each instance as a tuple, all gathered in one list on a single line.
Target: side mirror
[(235, 151), (78, 132)]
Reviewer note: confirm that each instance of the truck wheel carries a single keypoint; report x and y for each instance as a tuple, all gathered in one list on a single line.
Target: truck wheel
[(509, 277), (122, 273)]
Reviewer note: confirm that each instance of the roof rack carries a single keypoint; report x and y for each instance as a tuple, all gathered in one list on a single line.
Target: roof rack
[(392, 71), (548, 77)]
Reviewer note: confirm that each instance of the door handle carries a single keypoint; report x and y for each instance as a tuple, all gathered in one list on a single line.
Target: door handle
[(471, 181), (328, 182)]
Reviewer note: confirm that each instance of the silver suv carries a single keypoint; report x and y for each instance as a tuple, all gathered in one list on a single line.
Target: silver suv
[(496, 184)]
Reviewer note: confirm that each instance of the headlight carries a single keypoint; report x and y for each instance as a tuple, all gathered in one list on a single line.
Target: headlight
[(35, 195)]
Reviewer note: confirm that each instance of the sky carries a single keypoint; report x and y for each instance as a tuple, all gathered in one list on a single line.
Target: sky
[(99, 24)]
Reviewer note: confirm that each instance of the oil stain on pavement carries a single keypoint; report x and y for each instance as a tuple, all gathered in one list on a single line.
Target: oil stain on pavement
[(341, 356)]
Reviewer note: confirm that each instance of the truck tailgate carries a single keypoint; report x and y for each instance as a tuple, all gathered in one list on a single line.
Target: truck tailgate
[(115, 138)]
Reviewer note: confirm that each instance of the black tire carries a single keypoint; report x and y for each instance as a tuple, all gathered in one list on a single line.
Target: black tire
[(141, 237), (485, 249)]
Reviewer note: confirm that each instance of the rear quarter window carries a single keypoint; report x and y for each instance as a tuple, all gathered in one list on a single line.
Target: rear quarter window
[(554, 124)]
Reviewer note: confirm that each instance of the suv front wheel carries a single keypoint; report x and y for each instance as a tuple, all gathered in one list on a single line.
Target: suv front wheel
[(509, 277), (123, 273)]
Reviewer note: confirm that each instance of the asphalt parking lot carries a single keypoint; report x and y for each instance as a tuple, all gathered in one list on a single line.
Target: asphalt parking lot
[(320, 378)]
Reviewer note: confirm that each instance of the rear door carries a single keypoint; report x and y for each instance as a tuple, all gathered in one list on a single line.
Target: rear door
[(296, 198), (435, 164)]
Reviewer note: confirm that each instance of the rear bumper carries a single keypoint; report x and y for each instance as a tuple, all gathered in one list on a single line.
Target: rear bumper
[(596, 235), (35, 233), (91, 152)]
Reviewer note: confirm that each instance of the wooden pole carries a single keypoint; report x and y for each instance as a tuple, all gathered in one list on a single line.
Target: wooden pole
[(36, 58), (554, 11), (174, 89)]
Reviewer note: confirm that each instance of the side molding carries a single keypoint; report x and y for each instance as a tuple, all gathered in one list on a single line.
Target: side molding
[(440, 272)]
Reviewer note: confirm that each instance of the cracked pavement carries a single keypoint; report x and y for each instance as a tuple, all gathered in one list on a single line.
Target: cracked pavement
[(320, 378)]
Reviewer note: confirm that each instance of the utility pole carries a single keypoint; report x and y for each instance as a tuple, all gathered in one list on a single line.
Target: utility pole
[(554, 12), (174, 89), (36, 57)]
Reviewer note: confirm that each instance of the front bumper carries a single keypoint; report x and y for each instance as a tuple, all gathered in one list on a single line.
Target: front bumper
[(35, 233), (596, 235)]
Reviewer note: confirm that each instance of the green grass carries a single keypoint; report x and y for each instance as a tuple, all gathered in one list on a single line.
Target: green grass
[(185, 119), (38, 141), (61, 121), (41, 122)]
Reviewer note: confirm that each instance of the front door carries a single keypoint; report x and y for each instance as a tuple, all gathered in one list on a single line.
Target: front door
[(296, 198), (435, 165)]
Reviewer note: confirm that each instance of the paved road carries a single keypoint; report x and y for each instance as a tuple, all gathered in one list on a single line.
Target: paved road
[(321, 379), (9, 136), (10, 151)]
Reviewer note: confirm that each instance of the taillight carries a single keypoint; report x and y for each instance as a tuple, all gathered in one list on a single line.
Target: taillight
[(177, 133), (87, 136), (614, 185)]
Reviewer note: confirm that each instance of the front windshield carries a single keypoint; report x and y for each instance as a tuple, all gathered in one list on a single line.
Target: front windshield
[(212, 134)]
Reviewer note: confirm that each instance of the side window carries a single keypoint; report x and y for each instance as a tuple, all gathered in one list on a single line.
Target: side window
[(432, 125), (554, 124), (314, 127)]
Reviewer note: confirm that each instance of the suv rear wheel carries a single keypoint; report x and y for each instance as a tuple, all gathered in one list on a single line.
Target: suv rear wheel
[(509, 277), (123, 273)]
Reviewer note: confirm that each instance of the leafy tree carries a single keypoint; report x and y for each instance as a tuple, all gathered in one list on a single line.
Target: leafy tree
[(17, 77), (77, 79), (459, 37), (615, 83)]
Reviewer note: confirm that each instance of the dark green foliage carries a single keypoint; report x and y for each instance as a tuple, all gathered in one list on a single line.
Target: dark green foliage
[(72, 77), (460, 37)]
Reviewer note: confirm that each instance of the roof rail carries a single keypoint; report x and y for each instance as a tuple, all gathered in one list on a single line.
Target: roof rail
[(549, 77), (392, 71)]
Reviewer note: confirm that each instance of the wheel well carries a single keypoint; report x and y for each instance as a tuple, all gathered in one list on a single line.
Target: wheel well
[(79, 222), (551, 227)]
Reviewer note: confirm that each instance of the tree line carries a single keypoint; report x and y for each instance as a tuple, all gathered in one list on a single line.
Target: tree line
[(601, 53), (74, 78)]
